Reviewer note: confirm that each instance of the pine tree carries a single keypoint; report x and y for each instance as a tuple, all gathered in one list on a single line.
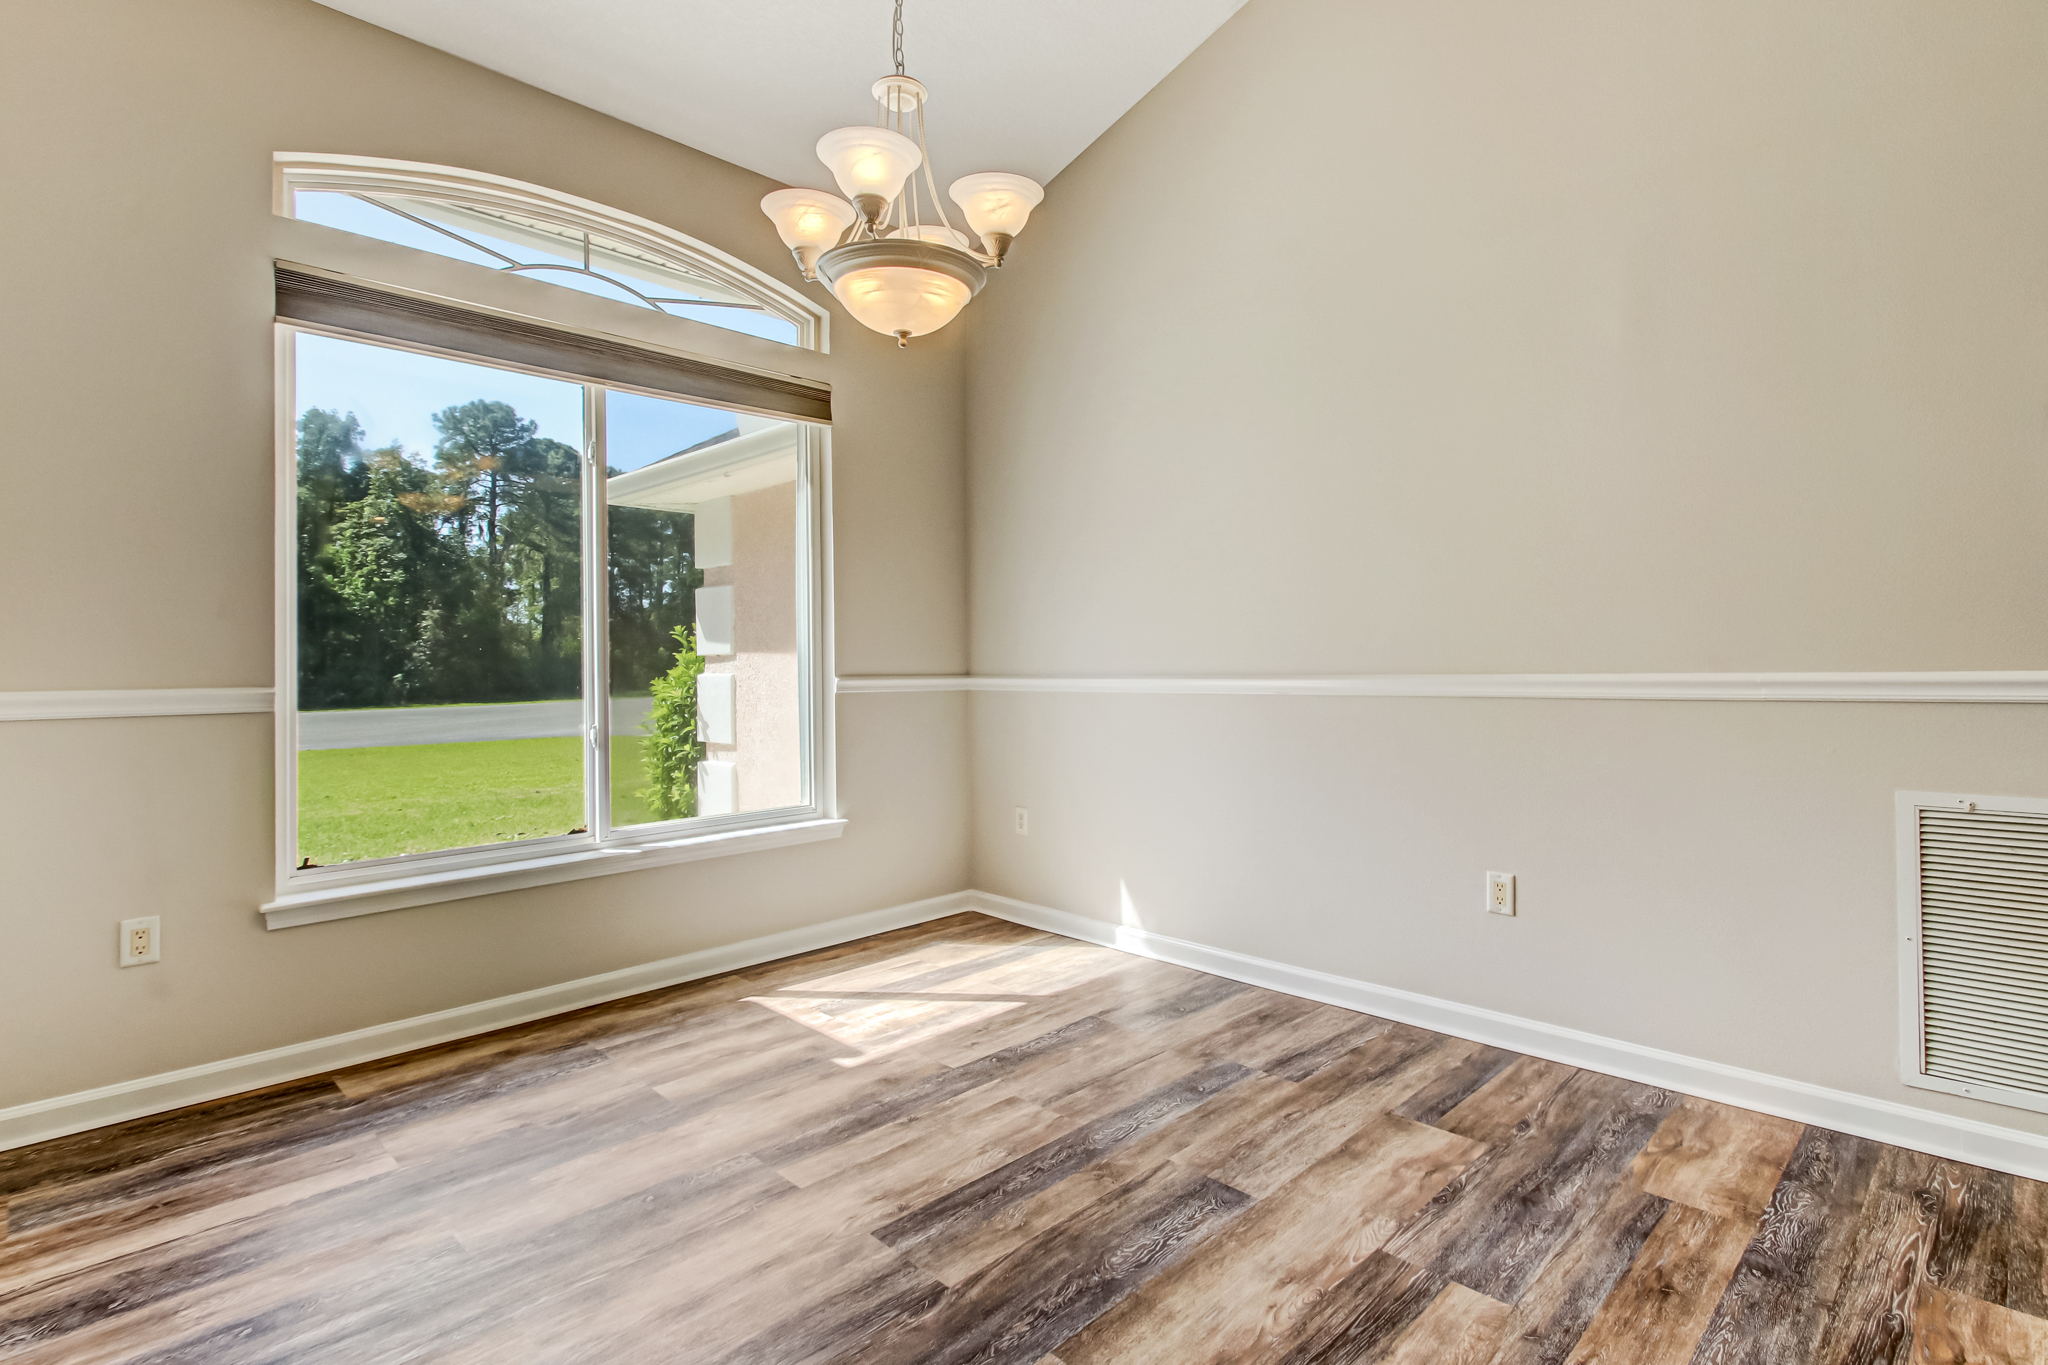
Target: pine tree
[(478, 438), (380, 566), (544, 557)]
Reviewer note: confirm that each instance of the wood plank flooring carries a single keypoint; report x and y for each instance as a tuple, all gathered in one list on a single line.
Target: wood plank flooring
[(971, 1142)]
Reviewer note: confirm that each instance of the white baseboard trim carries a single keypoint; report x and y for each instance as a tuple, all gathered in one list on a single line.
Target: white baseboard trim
[(1991, 686), (40, 1120), (80, 704), (1960, 1139)]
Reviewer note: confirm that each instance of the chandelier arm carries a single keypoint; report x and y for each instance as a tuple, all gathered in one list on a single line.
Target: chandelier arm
[(925, 164), (900, 209), (913, 121), (905, 203), (881, 222), (906, 198)]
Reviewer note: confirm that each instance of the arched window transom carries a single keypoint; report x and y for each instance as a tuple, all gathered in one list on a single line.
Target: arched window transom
[(525, 229)]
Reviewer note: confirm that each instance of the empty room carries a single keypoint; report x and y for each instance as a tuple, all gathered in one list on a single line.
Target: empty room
[(1072, 682)]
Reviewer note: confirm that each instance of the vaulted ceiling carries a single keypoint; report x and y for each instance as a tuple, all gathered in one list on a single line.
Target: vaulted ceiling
[(1016, 85)]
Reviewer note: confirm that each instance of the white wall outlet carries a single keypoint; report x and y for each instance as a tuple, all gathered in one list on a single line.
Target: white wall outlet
[(1023, 820), (142, 941), (1500, 893)]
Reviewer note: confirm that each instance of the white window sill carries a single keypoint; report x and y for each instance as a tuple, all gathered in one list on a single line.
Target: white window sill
[(315, 905)]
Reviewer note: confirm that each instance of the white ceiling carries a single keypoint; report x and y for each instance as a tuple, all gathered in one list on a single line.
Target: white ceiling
[(1016, 85)]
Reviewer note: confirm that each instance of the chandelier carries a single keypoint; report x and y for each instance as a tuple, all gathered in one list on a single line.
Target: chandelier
[(881, 254)]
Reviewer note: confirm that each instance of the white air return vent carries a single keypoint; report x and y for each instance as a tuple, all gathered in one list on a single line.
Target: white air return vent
[(1973, 891)]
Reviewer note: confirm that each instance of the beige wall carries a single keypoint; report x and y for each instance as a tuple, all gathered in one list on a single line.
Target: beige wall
[(1593, 335), (1507, 337), (136, 550)]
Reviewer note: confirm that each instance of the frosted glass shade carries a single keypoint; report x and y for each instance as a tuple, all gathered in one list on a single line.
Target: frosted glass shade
[(869, 161), (901, 300), (996, 203), (808, 221), (903, 288), (808, 218)]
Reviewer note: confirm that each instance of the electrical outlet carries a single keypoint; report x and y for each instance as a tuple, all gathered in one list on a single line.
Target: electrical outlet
[(141, 941), (1500, 893), (1023, 820)]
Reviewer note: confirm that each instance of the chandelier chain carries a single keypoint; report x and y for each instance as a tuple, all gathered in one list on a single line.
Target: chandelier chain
[(896, 38)]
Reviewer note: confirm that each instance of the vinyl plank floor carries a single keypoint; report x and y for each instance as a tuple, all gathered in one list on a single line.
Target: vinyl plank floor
[(972, 1142)]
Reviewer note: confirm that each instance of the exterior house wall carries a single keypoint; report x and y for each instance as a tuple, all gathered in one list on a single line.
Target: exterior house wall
[(766, 752)]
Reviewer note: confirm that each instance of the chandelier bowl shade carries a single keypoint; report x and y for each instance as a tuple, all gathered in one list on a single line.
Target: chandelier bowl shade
[(870, 163), (902, 287)]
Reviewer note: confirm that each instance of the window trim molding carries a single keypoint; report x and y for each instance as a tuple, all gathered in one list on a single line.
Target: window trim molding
[(372, 174), (317, 905), (316, 894), (458, 328)]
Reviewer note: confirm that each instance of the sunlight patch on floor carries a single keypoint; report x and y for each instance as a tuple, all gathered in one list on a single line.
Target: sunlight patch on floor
[(883, 1007), (876, 1027), (1060, 966), (893, 973)]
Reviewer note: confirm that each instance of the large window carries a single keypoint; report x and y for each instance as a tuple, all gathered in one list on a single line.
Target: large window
[(533, 613)]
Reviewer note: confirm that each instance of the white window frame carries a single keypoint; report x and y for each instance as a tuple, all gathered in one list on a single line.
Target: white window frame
[(311, 895), (296, 171)]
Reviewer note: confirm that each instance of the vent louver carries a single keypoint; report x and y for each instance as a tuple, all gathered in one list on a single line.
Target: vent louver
[(1976, 938)]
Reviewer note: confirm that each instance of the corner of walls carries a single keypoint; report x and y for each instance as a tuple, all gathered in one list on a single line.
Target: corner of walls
[(1956, 1137), (1553, 375)]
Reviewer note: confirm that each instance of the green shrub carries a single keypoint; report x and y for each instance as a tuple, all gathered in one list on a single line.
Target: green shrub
[(672, 749)]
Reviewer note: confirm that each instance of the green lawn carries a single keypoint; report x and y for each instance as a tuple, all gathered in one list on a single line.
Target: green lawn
[(417, 798)]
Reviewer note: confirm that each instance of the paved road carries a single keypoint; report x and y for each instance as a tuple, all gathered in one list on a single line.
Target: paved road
[(448, 724)]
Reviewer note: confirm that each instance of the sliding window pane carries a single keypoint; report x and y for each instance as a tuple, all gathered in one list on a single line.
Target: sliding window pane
[(440, 632), (702, 560)]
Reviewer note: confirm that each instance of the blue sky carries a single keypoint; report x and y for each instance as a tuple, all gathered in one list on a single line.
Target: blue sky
[(395, 394)]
